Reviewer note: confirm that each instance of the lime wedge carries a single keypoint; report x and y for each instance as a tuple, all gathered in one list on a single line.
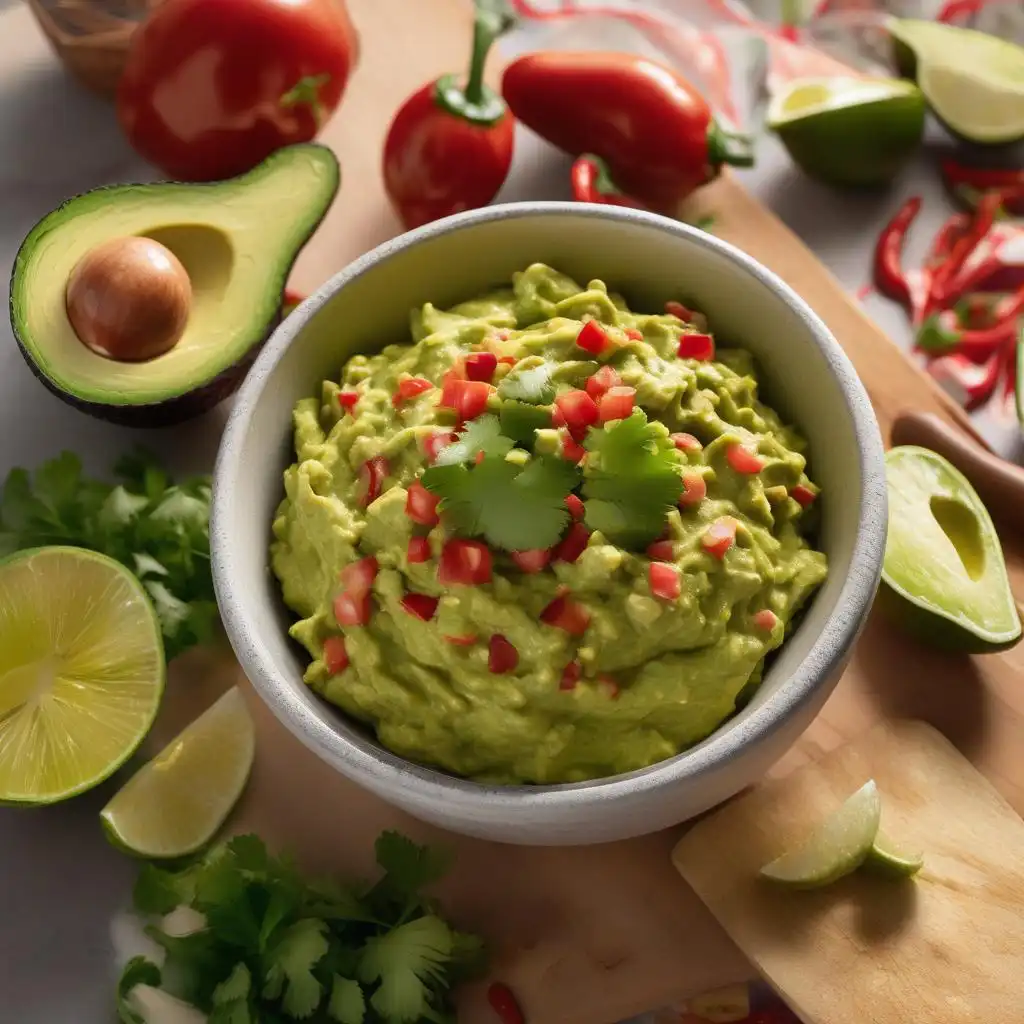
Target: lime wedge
[(835, 848), (849, 131), (889, 859), (973, 81), (175, 804), (81, 671)]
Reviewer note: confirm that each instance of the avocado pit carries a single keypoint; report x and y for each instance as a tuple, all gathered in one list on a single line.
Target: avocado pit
[(129, 299)]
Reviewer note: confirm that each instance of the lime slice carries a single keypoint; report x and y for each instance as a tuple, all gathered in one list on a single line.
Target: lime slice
[(973, 81), (175, 804), (81, 671), (889, 859), (835, 848), (849, 131)]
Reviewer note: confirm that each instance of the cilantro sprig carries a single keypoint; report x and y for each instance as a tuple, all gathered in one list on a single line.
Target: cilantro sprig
[(277, 948), (632, 479), (158, 529), (532, 385), (480, 436)]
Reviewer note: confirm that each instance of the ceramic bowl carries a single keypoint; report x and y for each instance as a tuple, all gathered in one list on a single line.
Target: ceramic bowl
[(650, 259)]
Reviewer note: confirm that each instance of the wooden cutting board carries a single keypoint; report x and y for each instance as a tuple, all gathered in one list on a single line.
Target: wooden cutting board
[(589, 936), (944, 947)]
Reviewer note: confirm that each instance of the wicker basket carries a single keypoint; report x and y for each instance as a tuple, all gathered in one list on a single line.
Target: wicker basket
[(91, 36)]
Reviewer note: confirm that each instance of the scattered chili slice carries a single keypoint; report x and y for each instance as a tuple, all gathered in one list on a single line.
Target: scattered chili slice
[(501, 655), (347, 400), (358, 577), (686, 442), (335, 654), (888, 263), (464, 640), (662, 551), (695, 490), (352, 609), (464, 561), (696, 346), (634, 335), (423, 606), (372, 475), (481, 366), (719, 536), (602, 381), (765, 619), (677, 309), (418, 550), (802, 495), (941, 292), (664, 581), (433, 443), (743, 460), (592, 338), (575, 506), (573, 544), (616, 404), (572, 450), (570, 676), (409, 388), (578, 410), (421, 505), (565, 613), (532, 560)]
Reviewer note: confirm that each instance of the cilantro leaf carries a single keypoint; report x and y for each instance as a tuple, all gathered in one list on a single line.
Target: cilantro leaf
[(532, 385), (632, 479), (347, 1004), (230, 998), (408, 866), (406, 962), (290, 975), (512, 507), (138, 971), (480, 435), (158, 891)]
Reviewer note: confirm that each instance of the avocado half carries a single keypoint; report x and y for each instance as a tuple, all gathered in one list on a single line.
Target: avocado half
[(237, 240)]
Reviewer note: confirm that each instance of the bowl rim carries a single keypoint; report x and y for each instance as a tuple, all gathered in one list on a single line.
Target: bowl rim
[(373, 765)]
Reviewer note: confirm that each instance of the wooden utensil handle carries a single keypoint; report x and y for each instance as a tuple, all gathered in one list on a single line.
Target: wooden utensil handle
[(999, 483)]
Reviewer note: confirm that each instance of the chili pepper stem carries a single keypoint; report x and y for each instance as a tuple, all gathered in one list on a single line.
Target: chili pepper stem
[(725, 147)]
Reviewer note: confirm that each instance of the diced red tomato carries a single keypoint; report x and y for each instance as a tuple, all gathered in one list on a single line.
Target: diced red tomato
[(481, 365), (467, 397), (765, 619), (532, 560), (508, 360), (565, 613), (422, 606), (570, 676), (557, 419), (609, 685), (686, 442), (465, 640), (433, 443), (743, 460), (804, 495), (503, 334), (347, 400), (579, 411), (358, 577), (575, 506), (695, 490), (372, 475), (602, 381), (418, 550), (501, 655), (572, 450), (696, 346), (464, 561), (592, 338), (662, 551), (634, 335), (719, 536), (616, 404), (335, 655), (410, 387), (678, 309), (664, 581), (352, 609), (573, 544), (421, 505)]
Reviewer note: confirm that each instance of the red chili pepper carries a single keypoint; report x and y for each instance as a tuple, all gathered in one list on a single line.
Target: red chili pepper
[(449, 147), (592, 183), (889, 276), (941, 292), (982, 178), (652, 127), (967, 382), (942, 333), (952, 229)]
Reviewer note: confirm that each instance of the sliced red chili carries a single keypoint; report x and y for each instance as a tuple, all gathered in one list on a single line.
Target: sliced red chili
[(802, 495), (616, 404), (696, 346), (578, 410), (888, 264), (686, 442), (662, 551), (501, 655), (532, 560), (565, 613), (573, 544), (575, 506), (418, 550), (592, 338), (348, 399), (695, 490), (764, 619), (433, 443), (335, 654), (481, 366), (743, 460), (464, 561), (423, 606), (372, 475), (409, 388), (719, 536), (602, 381), (421, 505), (677, 309), (572, 450), (352, 609), (570, 676)]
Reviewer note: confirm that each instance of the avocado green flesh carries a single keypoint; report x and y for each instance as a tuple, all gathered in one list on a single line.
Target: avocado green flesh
[(943, 556), (237, 240), (679, 666)]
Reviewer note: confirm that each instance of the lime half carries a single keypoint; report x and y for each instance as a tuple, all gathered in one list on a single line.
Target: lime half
[(176, 803), (836, 847), (887, 857), (849, 131), (81, 671)]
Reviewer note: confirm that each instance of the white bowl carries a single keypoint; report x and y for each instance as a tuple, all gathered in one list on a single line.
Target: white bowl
[(651, 259)]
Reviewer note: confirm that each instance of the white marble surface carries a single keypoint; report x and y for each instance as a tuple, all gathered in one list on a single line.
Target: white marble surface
[(60, 883)]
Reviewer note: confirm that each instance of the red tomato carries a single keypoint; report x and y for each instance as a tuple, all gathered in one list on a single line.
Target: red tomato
[(804, 495), (467, 397), (352, 609), (575, 506), (696, 346), (409, 388), (501, 655), (532, 560), (695, 490), (571, 449), (743, 460), (592, 338), (212, 87), (421, 505), (565, 613), (616, 404), (578, 410), (358, 577), (464, 561), (664, 581), (481, 366), (764, 619), (372, 475), (570, 676), (602, 381), (335, 655), (686, 442), (573, 544), (422, 606), (662, 551), (347, 400), (418, 550), (719, 536)]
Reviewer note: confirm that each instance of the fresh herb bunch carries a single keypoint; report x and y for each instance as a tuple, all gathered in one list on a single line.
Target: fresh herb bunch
[(158, 529), (276, 948)]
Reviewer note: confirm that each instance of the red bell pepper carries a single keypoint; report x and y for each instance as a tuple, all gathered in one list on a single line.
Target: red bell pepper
[(652, 127), (592, 183), (449, 147)]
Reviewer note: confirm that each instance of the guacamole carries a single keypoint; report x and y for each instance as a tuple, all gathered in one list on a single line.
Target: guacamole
[(549, 540)]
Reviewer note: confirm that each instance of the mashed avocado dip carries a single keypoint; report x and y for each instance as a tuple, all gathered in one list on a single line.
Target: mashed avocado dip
[(550, 540)]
